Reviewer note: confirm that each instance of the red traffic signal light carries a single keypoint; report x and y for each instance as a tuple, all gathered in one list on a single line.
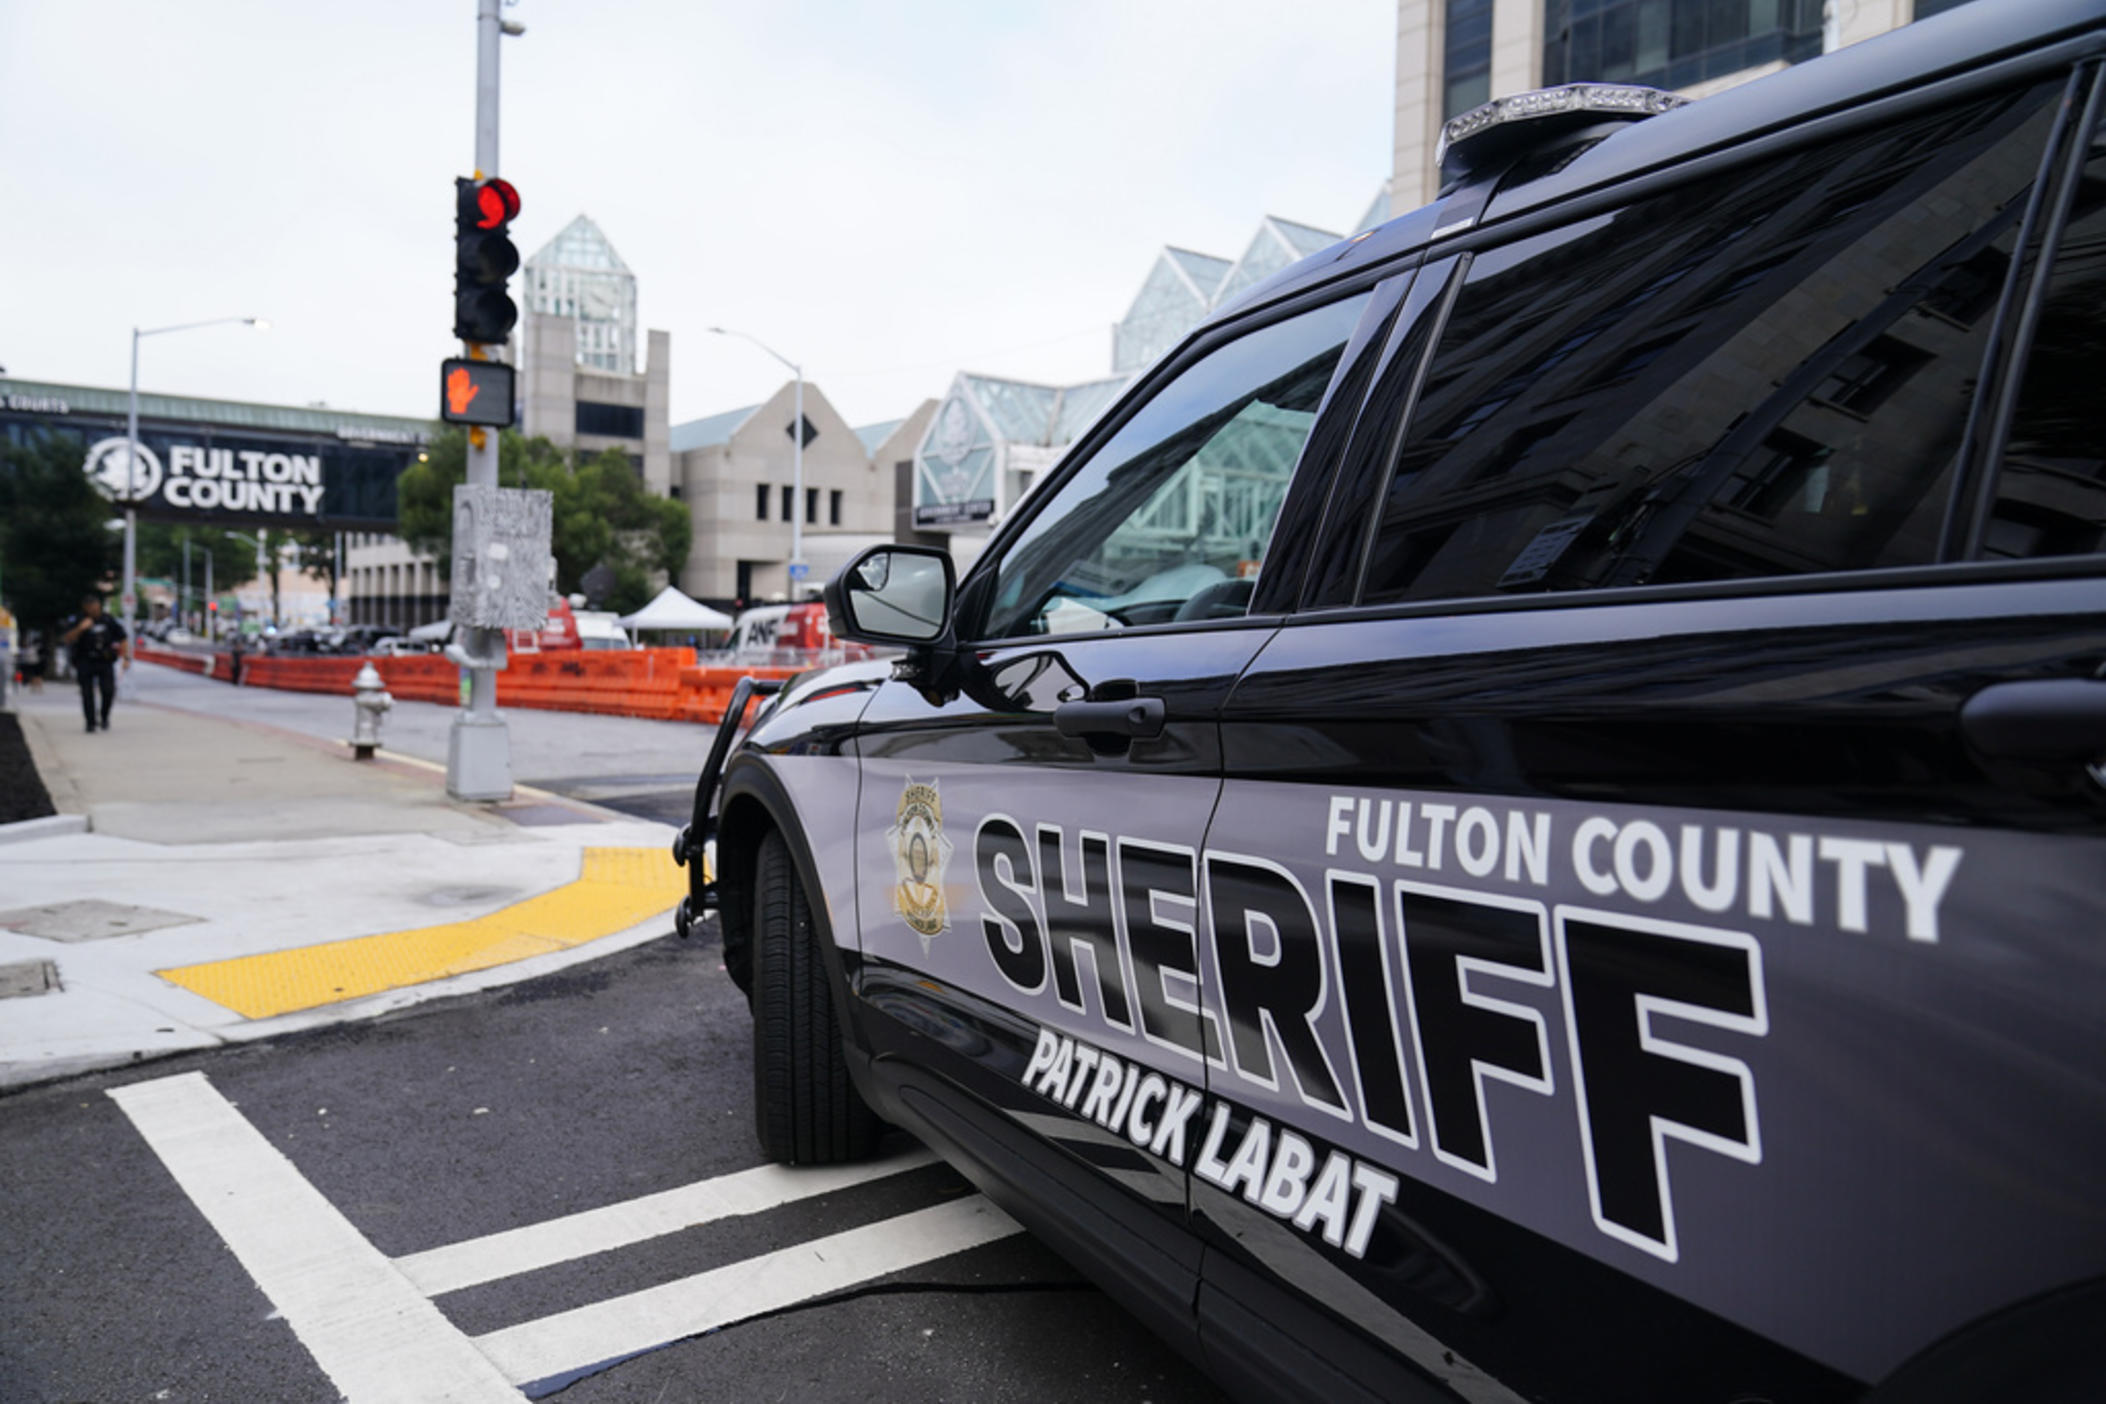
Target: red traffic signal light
[(496, 204), (483, 259)]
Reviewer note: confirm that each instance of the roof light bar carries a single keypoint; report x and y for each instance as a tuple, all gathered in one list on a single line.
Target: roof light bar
[(1497, 128)]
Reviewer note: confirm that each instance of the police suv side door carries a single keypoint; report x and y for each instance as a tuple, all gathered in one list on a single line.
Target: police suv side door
[(1029, 825), (1639, 980)]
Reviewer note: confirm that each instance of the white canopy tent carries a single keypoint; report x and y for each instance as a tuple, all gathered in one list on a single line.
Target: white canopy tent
[(673, 610)]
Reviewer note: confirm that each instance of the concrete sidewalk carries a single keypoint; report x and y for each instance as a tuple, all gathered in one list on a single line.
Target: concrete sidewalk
[(239, 880)]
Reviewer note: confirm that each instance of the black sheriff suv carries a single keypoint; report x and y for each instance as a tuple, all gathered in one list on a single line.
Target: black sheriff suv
[(1523, 818)]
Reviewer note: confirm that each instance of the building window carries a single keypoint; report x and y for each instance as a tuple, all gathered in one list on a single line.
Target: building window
[(1673, 43), (613, 421), (788, 502), (1865, 378), (833, 508), (1466, 67), (811, 506), (1789, 471), (760, 502)]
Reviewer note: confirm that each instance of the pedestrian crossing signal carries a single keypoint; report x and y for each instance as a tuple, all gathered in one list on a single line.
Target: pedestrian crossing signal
[(484, 258), (476, 392)]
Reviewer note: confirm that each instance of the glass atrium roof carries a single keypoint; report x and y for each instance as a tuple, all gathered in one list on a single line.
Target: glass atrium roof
[(1277, 243), (1183, 287), (711, 429), (583, 246), (873, 436)]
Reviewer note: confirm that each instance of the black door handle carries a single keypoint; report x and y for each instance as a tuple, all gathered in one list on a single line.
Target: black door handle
[(1138, 717), (2051, 719)]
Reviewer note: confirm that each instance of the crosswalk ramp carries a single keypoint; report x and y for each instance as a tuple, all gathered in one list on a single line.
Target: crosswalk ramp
[(372, 1322)]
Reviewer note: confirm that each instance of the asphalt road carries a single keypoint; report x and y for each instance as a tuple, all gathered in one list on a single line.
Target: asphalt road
[(145, 1260), (614, 1080)]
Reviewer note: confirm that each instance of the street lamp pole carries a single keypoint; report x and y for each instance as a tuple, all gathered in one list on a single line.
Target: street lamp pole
[(129, 602), (797, 455)]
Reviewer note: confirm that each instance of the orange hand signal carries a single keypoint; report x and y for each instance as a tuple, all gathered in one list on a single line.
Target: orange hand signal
[(461, 389)]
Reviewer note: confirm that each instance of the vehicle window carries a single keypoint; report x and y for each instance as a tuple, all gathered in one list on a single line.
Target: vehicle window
[(1764, 373), (1170, 519), (2051, 493)]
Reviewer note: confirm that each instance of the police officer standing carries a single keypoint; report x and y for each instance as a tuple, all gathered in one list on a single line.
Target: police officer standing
[(96, 640)]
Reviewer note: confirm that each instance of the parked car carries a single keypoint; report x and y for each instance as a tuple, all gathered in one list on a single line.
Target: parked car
[(365, 638), (1521, 819), (598, 629)]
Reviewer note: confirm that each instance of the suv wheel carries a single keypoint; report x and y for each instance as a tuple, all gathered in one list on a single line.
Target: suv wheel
[(804, 1106)]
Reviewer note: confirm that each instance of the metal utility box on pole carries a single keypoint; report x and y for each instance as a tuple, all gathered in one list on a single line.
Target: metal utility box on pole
[(478, 749)]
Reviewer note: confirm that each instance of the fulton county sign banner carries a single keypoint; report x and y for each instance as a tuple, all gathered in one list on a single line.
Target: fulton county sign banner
[(239, 480), (224, 462), (270, 481)]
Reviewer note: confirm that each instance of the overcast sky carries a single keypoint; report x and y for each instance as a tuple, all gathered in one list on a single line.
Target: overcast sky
[(890, 192)]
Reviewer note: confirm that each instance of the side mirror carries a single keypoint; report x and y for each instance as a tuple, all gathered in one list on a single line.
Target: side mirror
[(893, 595)]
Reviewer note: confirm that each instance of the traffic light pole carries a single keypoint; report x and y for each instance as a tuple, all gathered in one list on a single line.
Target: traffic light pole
[(479, 750)]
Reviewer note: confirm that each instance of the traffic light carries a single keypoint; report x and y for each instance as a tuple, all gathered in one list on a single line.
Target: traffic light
[(483, 259)]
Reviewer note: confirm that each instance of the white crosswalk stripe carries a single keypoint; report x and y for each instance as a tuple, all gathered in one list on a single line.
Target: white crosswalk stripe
[(370, 1322), (623, 1326), (440, 1270), (377, 1337)]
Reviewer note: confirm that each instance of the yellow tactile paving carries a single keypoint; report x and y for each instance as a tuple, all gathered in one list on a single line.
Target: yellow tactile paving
[(616, 889)]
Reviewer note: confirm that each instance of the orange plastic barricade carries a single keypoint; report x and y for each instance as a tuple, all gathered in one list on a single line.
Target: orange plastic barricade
[(659, 683)]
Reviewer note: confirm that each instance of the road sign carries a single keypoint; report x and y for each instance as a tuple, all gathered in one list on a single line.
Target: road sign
[(799, 570)]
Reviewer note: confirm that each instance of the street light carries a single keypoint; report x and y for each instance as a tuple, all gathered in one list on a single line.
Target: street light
[(261, 573), (131, 455), (797, 469)]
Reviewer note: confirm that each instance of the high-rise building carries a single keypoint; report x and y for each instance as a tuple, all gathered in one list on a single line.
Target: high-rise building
[(579, 387), (1453, 55), (578, 275)]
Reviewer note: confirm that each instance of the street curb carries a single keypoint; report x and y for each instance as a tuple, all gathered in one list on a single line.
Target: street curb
[(23, 830), (22, 1076), (58, 781)]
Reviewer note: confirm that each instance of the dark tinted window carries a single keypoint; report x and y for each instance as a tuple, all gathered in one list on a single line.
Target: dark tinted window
[(2051, 494), (1766, 373), (615, 421)]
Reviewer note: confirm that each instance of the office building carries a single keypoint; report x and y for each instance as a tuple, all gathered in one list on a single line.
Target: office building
[(1453, 55), (736, 472)]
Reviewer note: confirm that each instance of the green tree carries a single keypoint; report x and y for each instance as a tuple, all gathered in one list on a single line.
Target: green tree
[(55, 542), (161, 553), (600, 511)]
